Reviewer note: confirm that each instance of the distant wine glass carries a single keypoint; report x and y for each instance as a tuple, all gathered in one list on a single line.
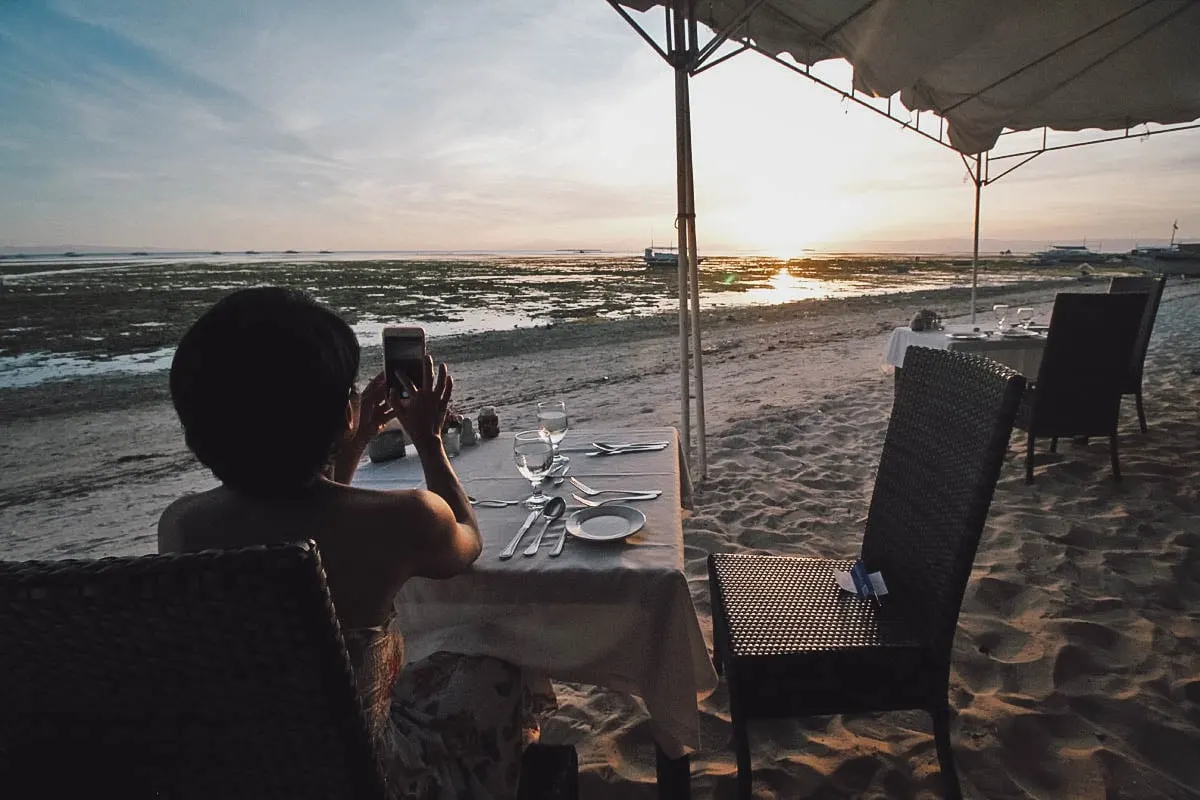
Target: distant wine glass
[(552, 416), (1001, 311), (1024, 316), (534, 456)]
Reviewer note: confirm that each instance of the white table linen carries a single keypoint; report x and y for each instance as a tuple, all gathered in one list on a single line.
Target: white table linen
[(1024, 354), (615, 614)]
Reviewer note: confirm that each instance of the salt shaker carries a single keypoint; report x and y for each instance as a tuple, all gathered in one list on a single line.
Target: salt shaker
[(468, 435), (450, 441)]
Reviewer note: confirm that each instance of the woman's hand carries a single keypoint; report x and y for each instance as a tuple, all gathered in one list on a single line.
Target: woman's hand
[(423, 412), (375, 409)]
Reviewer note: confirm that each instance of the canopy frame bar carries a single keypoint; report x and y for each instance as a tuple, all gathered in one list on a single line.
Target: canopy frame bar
[(687, 60)]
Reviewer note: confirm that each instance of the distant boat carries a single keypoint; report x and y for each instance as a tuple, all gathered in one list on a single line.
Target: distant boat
[(289, 252), (661, 256), (216, 253), (251, 252), (71, 254), (326, 252), (139, 253), (1065, 254)]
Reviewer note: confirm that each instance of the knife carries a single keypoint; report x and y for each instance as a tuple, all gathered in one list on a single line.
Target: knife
[(508, 551)]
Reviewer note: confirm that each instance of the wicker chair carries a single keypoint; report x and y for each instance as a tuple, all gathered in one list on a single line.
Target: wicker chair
[(1152, 287), (1084, 369), (211, 674), (791, 644)]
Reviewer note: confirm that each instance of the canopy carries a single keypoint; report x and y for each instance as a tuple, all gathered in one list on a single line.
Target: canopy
[(981, 67), (987, 66)]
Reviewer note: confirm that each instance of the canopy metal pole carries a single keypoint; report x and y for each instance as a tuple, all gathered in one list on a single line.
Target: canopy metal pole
[(694, 263), (678, 54), (975, 254)]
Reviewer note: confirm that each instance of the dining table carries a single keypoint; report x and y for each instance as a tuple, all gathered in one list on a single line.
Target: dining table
[(616, 614), (1019, 348)]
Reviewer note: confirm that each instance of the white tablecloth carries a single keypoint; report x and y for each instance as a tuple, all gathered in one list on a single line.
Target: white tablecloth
[(618, 615), (1024, 354)]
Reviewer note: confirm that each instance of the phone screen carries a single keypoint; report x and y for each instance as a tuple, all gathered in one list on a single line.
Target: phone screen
[(404, 355)]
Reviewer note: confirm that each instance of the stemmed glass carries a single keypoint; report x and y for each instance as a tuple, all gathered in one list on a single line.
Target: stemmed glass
[(534, 456), (1024, 317), (1001, 311), (552, 416)]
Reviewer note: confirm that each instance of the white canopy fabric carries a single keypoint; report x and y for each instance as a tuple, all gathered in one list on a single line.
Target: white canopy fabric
[(987, 66)]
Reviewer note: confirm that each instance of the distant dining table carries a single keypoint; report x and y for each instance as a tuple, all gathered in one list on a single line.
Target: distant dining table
[(616, 614), (1017, 348)]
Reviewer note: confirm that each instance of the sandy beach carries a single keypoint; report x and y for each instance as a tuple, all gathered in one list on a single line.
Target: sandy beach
[(1076, 669)]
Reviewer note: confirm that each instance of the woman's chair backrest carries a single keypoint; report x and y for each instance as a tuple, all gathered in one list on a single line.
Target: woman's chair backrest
[(1085, 363), (945, 444), (211, 674), (1152, 287)]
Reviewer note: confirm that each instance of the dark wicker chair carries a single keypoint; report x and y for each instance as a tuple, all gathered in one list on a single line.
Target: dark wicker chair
[(791, 644), (211, 674), (1083, 371), (1152, 287)]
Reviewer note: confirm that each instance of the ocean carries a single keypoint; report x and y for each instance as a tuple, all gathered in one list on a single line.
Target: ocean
[(71, 316)]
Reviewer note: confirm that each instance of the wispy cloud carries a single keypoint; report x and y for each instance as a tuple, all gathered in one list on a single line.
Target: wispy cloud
[(265, 123)]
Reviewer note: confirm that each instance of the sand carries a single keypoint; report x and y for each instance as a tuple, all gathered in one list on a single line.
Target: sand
[(1076, 671)]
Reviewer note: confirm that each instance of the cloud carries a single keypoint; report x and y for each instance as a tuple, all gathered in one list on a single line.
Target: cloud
[(461, 124)]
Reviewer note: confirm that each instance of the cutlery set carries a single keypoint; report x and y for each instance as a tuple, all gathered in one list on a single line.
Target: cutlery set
[(555, 509)]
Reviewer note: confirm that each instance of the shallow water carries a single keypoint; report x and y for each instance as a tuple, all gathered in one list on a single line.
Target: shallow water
[(63, 318)]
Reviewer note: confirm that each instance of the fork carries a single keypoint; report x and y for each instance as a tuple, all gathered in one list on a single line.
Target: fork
[(590, 492), (622, 499)]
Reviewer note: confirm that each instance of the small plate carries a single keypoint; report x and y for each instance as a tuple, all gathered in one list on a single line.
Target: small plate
[(979, 335), (605, 523)]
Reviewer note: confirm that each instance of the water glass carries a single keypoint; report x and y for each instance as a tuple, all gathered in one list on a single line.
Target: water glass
[(552, 417), (534, 455), (1024, 316), (1001, 311)]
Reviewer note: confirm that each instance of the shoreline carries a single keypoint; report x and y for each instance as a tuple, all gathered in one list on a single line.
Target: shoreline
[(126, 390)]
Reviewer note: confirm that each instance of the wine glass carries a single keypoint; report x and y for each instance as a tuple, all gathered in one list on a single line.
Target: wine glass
[(534, 456), (1024, 316), (552, 416), (1001, 311)]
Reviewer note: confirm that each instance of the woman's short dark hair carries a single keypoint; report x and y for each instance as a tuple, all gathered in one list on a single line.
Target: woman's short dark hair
[(260, 383)]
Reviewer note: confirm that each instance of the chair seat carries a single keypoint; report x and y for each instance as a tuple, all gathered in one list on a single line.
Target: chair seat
[(795, 641)]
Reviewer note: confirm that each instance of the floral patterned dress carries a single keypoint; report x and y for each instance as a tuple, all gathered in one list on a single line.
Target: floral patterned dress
[(449, 726)]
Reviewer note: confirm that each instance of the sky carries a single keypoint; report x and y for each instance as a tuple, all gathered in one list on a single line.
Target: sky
[(489, 124)]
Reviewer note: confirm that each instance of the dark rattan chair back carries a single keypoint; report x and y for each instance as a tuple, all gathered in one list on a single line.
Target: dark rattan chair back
[(945, 444), (1085, 364), (1152, 287), (211, 674)]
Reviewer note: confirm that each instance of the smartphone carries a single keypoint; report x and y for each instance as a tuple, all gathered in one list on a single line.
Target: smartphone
[(403, 354)]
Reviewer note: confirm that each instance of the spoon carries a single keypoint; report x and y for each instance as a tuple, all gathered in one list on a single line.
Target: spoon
[(553, 510)]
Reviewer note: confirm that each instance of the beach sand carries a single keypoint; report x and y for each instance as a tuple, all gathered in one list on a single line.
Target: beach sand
[(1076, 671)]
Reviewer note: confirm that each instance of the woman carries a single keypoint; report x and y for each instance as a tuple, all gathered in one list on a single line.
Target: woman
[(264, 384)]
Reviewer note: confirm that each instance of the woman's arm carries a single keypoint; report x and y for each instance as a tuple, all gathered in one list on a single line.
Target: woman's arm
[(422, 414)]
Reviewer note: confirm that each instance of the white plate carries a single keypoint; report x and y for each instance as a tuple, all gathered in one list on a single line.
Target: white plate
[(979, 335), (605, 523)]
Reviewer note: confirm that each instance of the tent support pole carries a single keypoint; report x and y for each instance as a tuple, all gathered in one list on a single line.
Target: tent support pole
[(694, 283), (678, 54), (978, 176)]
